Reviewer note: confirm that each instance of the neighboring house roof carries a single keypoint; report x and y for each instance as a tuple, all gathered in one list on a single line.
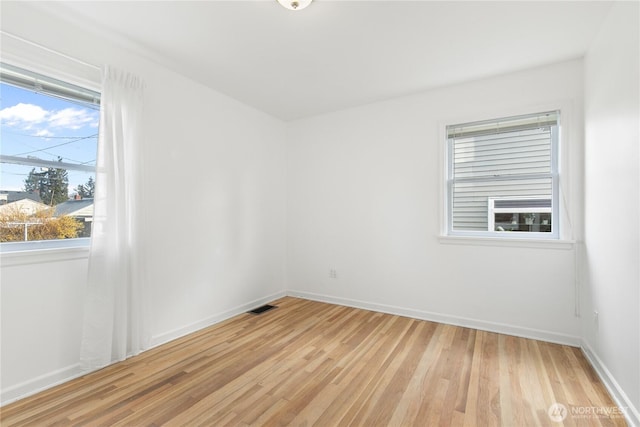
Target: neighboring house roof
[(76, 208), (25, 206), (14, 196)]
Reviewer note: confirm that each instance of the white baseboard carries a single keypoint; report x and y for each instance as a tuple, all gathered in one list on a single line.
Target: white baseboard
[(212, 320), (51, 379), (483, 325), (40, 383), (619, 396)]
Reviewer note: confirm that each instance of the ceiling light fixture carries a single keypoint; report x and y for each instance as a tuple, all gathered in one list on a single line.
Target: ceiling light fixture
[(294, 4)]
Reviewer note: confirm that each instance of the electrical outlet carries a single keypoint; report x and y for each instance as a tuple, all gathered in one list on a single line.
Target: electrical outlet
[(333, 274), (595, 315)]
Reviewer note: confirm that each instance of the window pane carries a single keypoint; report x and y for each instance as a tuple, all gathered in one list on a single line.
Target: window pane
[(470, 204), (502, 175), (538, 222), (49, 198), (515, 153)]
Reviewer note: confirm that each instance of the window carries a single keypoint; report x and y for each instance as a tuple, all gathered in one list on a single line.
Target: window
[(49, 132), (503, 177)]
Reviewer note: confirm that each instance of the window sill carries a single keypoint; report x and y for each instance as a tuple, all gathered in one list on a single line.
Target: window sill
[(508, 242), (44, 251)]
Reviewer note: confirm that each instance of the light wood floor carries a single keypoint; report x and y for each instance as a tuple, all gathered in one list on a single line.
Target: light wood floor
[(308, 363)]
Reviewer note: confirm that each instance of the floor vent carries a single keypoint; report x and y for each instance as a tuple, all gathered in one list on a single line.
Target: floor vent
[(262, 309)]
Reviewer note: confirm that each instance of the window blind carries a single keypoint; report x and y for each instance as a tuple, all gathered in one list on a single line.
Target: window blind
[(504, 125), (38, 83)]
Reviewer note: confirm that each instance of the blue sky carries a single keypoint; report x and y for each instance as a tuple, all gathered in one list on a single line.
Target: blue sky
[(45, 127)]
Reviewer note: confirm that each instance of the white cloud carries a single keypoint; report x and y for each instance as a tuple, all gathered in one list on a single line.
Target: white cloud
[(23, 113), (43, 132), (70, 118), (26, 116)]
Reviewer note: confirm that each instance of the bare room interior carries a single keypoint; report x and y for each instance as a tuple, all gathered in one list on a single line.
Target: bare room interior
[(328, 158)]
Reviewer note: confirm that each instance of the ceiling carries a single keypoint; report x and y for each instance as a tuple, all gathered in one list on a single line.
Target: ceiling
[(339, 54)]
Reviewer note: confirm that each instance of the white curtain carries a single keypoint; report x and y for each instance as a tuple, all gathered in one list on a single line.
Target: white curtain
[(115, 312)]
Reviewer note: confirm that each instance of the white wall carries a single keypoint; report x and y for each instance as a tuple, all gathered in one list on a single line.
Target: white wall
[(41, 320), (612, 205), (215, 199), (365, 197)]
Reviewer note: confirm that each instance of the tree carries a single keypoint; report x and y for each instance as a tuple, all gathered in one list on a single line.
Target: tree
[(42, 225), (52, 184), (31, 184), (86, 190)]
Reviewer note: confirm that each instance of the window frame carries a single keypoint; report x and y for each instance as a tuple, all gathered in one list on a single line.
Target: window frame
[(448, 232), (60, 70)]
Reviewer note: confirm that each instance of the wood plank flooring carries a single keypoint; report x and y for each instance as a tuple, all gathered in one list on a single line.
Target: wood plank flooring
[(308, 363)]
